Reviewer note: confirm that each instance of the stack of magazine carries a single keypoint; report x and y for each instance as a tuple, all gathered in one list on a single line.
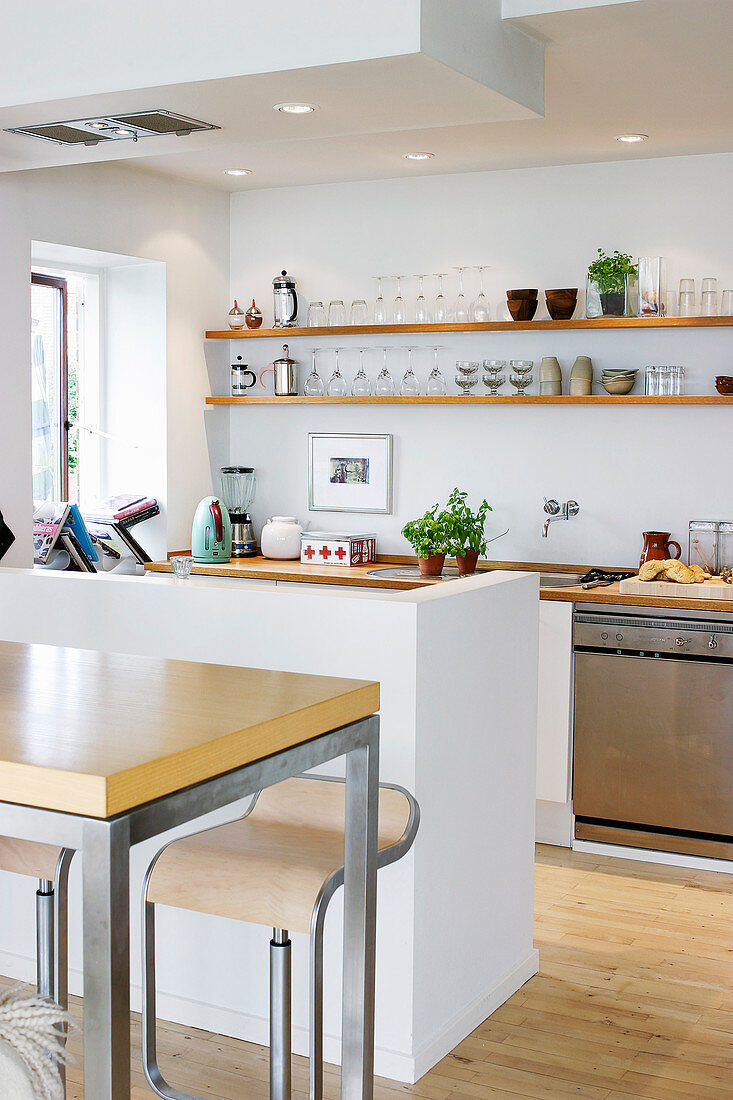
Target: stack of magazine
[(98, 542)]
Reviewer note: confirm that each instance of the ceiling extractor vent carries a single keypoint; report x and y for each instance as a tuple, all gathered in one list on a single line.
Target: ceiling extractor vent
[(122, 127)]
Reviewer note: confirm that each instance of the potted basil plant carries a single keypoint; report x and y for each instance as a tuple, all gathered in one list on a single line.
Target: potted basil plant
[(611, 285), (427, 537), (466, 534)]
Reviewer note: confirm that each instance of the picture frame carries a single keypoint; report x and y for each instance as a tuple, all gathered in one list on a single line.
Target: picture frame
[(349, 472)]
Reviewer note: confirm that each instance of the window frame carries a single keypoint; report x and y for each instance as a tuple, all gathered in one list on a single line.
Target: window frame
[(60, 284)]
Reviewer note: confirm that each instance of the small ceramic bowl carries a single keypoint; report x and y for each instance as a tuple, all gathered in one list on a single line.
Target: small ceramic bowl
[(522, 309), (620, 387), (513, 295), (724, 385)]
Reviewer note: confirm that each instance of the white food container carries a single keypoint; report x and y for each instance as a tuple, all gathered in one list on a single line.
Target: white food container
[(337, 548)]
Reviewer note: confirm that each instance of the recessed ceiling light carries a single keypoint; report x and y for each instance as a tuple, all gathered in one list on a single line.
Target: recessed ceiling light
[(97, 125), (418, 156), (632, 139), (237, 172), (295, 108), (124, 133)]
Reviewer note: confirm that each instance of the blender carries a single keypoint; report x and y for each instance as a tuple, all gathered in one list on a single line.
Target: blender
[(238, 492)]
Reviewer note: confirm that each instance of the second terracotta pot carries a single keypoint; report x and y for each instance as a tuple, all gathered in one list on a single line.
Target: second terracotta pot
[(467, 562), (432, 566)]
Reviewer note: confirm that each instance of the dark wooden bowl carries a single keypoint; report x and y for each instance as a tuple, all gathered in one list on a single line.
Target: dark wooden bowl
[(724, 385), (561, 303), (515, 295), (522, 309)]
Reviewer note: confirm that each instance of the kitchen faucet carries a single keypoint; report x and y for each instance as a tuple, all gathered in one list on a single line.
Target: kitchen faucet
[(555, 510)]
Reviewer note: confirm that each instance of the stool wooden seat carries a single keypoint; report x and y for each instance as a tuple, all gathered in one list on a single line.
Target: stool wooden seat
[(26, 857), (279, 865)]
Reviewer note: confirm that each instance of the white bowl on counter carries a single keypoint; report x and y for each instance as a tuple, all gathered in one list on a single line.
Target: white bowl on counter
[(280, 538)]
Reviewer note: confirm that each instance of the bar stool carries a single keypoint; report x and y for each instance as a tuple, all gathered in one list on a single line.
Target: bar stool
[(279, 865)]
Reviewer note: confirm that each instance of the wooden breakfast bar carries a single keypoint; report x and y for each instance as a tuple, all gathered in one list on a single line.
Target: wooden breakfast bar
[(100, 752)]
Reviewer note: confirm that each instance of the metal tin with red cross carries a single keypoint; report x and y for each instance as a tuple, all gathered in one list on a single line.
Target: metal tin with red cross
[(337, 548)]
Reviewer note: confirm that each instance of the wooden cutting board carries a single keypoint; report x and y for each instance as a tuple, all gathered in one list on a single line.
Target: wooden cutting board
[(715, 589)]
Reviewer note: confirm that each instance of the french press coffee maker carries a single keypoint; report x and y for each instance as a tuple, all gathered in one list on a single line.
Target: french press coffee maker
[(286, 300), (285, 375)]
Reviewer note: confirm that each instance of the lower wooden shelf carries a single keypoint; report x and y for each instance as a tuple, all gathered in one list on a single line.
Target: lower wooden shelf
[(459, 399)]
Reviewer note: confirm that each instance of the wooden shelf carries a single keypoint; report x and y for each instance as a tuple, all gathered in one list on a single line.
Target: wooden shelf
[(459, 399), (545, 325)]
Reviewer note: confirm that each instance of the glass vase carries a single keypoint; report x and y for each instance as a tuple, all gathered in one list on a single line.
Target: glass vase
[(612, 298)]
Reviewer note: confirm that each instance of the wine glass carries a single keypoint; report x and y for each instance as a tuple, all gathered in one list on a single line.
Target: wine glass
[(440, 309), (360, 386), (422, 312), (410, 386), (460, 310), (480, 312), (384, 384), (493, 378), (398, 306), (314, 386), (380, 309), (337, 383), (436, 383)]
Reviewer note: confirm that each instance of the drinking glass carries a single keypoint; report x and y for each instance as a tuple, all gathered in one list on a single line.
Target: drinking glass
[(651, 382), (493, 378), (314, 386), (380, 309), (480, 312), (410, 386), (398, 306), (687, 298), (522, 377), (440, 310), (726, 307), (182, 566), (436, 383), (460, 310), (465, 383), (709, 300), (359, 312), (422, 313), (384, 384), (677, 386), (316, 315), (465, 368), (337, 313), (360, 386), (337, 383)]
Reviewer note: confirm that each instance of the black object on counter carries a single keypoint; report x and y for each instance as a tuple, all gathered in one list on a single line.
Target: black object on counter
[(600, 578), (7, 538)]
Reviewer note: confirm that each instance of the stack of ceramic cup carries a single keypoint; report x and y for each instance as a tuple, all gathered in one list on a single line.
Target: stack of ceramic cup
[(581, 377), (550, 377)]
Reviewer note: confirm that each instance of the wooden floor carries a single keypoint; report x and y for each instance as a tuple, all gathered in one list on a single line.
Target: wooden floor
[(634, 998)]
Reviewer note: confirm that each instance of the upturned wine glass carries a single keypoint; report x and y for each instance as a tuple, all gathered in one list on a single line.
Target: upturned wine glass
[(380, 308), (314, 386), (410, 386), (337, 383), (435, 386), (460, 310), (422, 311), (360, 387), (440, 309), (480, 311), (398, 306), (384, 384)]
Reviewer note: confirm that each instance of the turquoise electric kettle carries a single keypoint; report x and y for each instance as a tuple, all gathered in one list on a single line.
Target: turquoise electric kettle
[(211, 534)]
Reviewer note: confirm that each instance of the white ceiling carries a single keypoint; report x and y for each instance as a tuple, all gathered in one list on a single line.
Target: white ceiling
[(660, 67)]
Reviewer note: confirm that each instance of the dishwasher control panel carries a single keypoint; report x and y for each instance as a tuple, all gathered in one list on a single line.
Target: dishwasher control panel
[(653, 637)]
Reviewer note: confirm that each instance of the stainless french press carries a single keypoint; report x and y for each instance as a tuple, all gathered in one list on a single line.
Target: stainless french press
[(286, 300), (285, 373)]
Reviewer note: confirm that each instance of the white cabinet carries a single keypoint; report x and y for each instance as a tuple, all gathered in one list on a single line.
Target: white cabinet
[(554, 701)]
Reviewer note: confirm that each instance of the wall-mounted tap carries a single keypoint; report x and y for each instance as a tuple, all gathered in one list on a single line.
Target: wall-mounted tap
[(555, 510)]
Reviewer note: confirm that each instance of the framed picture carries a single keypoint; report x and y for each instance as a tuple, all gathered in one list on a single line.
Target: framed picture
[(349, 473)]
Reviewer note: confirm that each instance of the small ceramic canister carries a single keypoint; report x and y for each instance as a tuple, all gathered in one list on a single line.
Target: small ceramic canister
[(280, 538), (550, 377), (581, 377)]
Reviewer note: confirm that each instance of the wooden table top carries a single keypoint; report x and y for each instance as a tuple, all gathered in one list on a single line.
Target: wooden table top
[(100, 733), (611, 595)]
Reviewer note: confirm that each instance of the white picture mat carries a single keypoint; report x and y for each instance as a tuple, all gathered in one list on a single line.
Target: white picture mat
[(323, 496)]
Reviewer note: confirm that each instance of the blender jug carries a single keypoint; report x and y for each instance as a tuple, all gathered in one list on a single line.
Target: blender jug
[(238, 492)]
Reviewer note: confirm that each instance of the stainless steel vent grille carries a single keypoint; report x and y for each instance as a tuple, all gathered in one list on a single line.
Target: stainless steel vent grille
[(62, 133), (122, 127)]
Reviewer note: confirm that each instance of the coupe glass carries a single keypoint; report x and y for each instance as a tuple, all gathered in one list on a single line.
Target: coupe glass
[(337, 383), (359, 312), (436, 383), (384, 384), (398, 306), (522, 377), (316, 315), (410, 386), (460, 310), (360, 387), (314, 386), (337, 313), (440, 309), (480, 305), (422, 313), (493, 378), (380, 309), (465, 383)]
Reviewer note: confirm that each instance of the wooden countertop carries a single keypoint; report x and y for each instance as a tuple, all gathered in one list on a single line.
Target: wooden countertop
[(611, 595), (265, 569), (99, 733)]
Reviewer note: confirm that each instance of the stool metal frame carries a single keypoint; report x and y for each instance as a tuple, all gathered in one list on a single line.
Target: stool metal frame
[(280, 971)]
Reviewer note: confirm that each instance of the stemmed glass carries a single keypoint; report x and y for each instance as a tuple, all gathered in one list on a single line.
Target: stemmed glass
[(337, 383), (460, 310), (360, 386), (384, 384), (410, 386), (380, 309), (493, 378), (480, 305), (440, 309), (465, 378), (398, 306), (314, 386), (422, 313), (522, 378), (436, 383)]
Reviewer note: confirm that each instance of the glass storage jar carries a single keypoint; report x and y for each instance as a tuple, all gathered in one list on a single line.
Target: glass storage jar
[(702, 546), (725, 546)]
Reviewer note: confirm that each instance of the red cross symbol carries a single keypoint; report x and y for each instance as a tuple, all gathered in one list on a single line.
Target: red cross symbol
[(325, 552), (341, 553), (308, 552)]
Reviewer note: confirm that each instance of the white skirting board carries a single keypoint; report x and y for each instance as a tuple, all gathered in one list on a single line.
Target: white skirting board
[(554, 823), (255, 1029), (647, 855)]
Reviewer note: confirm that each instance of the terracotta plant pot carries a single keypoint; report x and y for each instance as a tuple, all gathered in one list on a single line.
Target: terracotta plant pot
[(467, 562), (432, 566)]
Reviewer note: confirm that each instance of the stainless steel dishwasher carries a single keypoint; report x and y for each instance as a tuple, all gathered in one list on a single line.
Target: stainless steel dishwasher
[(653, 730)]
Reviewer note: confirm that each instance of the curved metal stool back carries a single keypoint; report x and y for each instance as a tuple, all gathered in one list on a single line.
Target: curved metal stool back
[(230, 852)]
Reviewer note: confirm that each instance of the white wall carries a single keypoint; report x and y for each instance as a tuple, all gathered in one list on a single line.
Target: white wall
[(631, 468), (128, 212)]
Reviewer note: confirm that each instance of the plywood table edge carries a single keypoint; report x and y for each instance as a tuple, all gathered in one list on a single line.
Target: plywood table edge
[(68, 790)]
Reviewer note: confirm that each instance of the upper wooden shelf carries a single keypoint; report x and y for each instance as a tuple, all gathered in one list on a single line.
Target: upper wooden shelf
[(478, 399), (489, 326)]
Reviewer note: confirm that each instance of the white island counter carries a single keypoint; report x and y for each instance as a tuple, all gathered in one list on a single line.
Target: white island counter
[(457, 666)]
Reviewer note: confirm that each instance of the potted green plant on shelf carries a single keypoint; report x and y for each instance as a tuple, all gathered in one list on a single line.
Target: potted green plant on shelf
[(429, 539), (466, 534), (610, 286)]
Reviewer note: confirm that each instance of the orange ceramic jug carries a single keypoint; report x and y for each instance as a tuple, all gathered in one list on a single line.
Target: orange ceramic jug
[(656, 547)]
